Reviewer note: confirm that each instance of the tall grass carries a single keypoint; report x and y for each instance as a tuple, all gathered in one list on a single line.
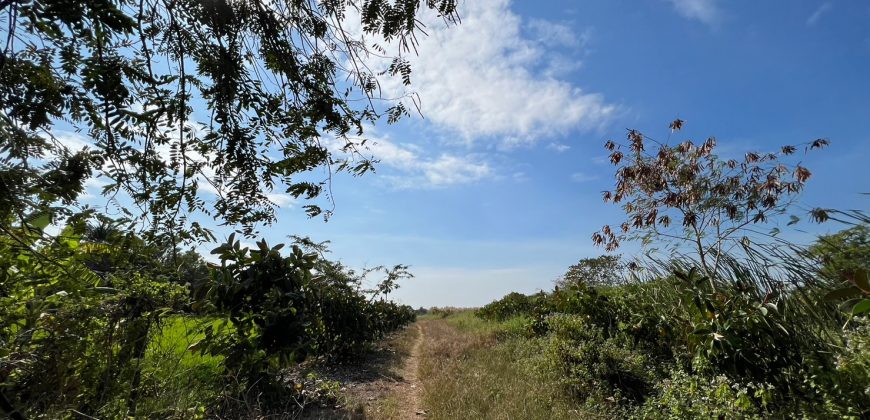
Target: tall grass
[(177, 382)]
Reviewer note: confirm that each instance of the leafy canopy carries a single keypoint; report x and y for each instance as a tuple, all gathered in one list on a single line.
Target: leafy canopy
[(181, 96), (603, 270)]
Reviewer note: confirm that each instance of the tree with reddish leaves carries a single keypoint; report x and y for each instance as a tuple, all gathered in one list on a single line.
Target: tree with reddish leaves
[(687, 195)]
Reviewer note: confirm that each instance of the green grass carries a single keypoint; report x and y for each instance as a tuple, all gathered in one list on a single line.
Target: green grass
[(469, 373), (466, 321), (178, 382)]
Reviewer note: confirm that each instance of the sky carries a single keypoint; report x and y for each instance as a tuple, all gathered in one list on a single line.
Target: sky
[(497, 187)]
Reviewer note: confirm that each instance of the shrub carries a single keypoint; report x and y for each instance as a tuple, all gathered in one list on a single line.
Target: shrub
[(281, 312), (854, 359), (685, 396), (347, 318), (596, 366), (601, 271), (586, 302), (512, 305)]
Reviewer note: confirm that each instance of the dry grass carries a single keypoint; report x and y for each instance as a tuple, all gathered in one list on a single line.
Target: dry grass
[(469, 374)]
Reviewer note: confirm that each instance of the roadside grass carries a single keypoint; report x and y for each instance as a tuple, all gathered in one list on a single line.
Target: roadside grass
[(477, 369)]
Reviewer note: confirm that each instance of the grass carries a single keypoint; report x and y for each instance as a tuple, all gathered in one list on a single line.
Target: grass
[(473, 368), (178, 382)]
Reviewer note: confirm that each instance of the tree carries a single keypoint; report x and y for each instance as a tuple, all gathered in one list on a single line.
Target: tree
[(178, 96), (604, 270), (715, 204)]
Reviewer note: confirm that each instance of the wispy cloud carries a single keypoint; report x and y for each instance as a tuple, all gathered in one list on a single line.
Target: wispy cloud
[(705, 11), (416, 171), (817, 14), (281, 200), (582, 177), (558, 147), (411, 167), (555, 34), (72, 140)]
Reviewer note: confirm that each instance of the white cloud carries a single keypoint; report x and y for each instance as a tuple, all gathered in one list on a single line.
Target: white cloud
[(553, 34), (560, 65), (418, 171), (705, 11), (93, 187), (817, 14), (558, 147), (72, 140), (412, 167), (281, 200), (581, 177), (486, 80)]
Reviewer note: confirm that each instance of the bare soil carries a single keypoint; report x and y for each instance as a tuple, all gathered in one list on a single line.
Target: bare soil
[(384, 385)]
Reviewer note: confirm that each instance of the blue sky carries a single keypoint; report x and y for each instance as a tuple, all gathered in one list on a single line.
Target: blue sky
[(498, 187)]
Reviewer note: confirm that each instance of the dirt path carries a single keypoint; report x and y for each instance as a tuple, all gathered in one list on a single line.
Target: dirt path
[(408, 393), (385, 386)]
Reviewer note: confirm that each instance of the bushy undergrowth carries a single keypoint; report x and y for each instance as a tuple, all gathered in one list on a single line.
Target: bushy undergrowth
[(101, 323), (681, 345), (512, 305)]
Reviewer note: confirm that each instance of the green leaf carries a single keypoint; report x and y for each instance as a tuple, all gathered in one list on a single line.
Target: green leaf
[(199, 345), (862, 307), (41, 221), (844, 293), (72, 244), (861, 280)]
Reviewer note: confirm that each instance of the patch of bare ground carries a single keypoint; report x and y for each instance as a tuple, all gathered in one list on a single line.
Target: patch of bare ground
[(382, 385)]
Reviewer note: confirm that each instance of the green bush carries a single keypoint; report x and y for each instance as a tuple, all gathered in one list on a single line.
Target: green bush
[(854, 359), (588, 303), (512, 305), (682, 346), (594, 365), (685, 396), (281, 312)]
